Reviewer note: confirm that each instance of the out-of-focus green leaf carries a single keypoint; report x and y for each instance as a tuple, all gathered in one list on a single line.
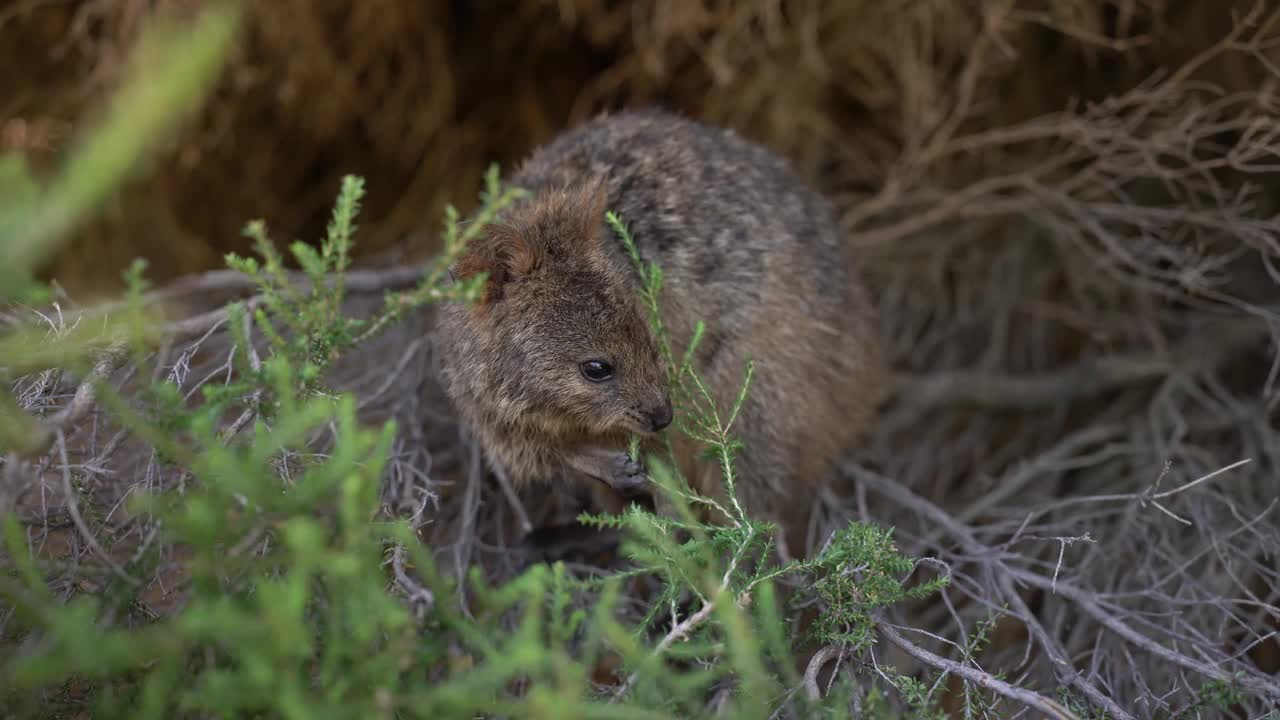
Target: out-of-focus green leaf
[(171, 73)]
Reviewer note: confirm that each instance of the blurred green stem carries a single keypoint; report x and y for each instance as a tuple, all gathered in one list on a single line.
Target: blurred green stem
[(171, 73)]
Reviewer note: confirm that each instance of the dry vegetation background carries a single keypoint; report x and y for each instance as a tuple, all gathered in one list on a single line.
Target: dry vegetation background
[(1067, 210), (419, 97)]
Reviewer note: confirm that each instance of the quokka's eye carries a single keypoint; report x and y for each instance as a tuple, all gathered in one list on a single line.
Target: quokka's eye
[(596, 370)]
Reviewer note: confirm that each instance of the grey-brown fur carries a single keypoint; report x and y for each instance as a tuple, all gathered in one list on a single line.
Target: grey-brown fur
[(743, 244)]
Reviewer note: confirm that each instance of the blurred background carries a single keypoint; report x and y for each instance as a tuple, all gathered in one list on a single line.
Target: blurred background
[(419, 97), (1066, 210)]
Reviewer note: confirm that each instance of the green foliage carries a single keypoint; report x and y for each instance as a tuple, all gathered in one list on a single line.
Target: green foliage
[(863, 574), (292, 631), (315, 330), (293, 603), (305, 628), (1213, 699), (171, 73)]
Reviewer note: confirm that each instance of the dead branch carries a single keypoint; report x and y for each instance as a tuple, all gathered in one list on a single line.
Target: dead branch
[(112, 356), (996, 562), (73, 507), (1089, 378), (824, 655), (1026, 697)]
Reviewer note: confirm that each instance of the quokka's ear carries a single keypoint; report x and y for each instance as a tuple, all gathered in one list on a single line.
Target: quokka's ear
[(593, 201), (579, 211), (501, 251)]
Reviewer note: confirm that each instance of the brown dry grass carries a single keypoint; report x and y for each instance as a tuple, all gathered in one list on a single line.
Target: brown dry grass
[(420, 97)]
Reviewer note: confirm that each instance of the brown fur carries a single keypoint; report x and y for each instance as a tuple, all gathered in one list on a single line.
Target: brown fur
[(744, 246)]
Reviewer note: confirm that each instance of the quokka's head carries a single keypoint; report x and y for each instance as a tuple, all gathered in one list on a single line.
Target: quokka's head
[(559, 339)]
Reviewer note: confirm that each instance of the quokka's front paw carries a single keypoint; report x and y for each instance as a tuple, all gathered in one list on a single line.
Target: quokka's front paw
[(614, 468), (627, 475)]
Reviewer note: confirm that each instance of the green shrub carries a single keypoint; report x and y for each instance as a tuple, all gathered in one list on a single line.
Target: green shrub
[(313, 627)]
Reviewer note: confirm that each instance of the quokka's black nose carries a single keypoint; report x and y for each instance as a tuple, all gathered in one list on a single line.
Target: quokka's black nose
[(660, 418)]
